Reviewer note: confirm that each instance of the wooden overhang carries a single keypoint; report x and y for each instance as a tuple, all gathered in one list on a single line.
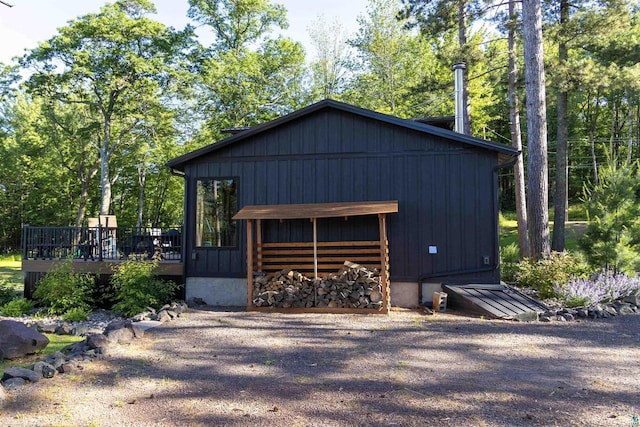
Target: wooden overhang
[(317, 210), (313, 211)]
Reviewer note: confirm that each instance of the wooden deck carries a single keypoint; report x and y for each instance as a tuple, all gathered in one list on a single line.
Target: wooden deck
[(97, 250)]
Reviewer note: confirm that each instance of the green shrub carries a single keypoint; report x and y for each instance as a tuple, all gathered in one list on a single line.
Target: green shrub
[(138, 287), (76, 315), (16, 307), (509, 260), (545, 274), (6, 292), (61, 289), (612, 237)]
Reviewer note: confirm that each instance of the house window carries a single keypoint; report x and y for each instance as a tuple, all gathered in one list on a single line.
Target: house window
[(216, 204)]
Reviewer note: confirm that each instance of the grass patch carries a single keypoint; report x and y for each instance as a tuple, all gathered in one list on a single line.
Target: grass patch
[(56, 343), (573, 229), (11, 272)]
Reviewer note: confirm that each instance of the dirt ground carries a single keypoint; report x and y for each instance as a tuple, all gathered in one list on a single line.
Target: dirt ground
[(406, 369)]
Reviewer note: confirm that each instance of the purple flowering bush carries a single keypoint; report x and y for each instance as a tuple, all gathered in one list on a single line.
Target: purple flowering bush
[(605, 287)]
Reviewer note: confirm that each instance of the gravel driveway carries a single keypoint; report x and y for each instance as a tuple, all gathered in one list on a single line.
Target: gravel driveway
[(239, 368)]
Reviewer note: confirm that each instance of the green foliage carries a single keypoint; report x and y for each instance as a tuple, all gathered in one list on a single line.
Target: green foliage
[(61, 289), (509, 262), (613, 231), (545, 274), (76, 314), (16, 307), (137, 287), (6, 292)]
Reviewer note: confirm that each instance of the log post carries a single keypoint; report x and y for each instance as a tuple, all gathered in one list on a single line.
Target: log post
[(384, 262), (249, 262), (315, 248), (259, 244)]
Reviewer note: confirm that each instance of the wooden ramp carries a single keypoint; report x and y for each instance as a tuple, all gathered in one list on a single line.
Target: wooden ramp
[(494, 300)]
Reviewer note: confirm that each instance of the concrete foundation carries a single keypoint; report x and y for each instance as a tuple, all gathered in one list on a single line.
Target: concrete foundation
[(217, 291), (405, 294), (232, 292)]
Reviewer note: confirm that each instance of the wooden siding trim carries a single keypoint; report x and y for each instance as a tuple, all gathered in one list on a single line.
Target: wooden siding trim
[(316, 210)]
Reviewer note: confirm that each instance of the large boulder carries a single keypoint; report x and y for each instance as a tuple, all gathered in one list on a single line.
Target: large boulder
[(17, 340)]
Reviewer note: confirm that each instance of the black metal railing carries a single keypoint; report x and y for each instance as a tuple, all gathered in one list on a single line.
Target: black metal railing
[(102, 243)]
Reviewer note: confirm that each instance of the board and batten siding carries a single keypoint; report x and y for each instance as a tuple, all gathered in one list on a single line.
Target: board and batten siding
[(446, 192)]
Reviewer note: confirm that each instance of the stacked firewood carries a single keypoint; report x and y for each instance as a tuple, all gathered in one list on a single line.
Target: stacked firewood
[(354, 286)]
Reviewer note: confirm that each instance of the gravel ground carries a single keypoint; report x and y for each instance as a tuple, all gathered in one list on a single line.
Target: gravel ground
[(246, 369)]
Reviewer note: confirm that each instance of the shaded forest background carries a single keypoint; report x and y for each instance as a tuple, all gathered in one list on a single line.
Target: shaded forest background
[(89, 118)]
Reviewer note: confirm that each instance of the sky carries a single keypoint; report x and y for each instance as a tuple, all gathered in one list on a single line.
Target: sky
[(29, 22)]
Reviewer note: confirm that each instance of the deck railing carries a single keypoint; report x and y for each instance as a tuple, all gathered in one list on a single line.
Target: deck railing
[(102, 243)]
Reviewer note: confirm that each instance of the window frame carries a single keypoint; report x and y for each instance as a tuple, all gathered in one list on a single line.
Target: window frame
[(197, 184)]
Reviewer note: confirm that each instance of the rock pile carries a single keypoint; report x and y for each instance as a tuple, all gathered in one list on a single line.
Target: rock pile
[(597, 311), (94, 346)]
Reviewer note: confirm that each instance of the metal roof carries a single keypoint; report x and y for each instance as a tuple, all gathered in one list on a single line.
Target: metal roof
[(506, 152), (317, 210)]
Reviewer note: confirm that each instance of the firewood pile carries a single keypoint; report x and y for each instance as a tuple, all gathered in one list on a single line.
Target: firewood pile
[(354, 286)]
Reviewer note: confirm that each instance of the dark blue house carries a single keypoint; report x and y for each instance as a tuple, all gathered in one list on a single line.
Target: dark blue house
[(445, 230)]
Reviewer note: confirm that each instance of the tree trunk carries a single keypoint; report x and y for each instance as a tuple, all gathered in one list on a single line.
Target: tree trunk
[(516, 136), (142, 179), (538, 181), (630, 119), (592, 137), (562, 168), (462, 38), (105, 179), (85, 180)]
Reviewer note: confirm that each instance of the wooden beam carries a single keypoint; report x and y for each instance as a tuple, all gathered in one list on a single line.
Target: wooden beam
[(384, 271), (249, 263), (315, 248), (259, 243)]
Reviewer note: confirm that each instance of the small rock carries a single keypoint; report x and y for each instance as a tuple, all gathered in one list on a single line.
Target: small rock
[(98, 341), (123, 335), (624, 308), (46, 327), (151, 310), (568, 317), (582, 312), (611, 310), (172, 314), (163, 316), (64, 329), (544, 318), (25, 374), (138, 332), (80, 330), (3, 395), (560, 318), (44, 369), (140, 317), (56, 360), (116, 324), (68, 368), (13, 383)]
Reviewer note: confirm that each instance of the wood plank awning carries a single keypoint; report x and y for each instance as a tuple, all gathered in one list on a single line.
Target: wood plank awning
[(317, 210)]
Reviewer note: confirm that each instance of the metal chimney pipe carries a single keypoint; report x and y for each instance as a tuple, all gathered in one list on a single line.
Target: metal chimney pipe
[(458, 78)]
